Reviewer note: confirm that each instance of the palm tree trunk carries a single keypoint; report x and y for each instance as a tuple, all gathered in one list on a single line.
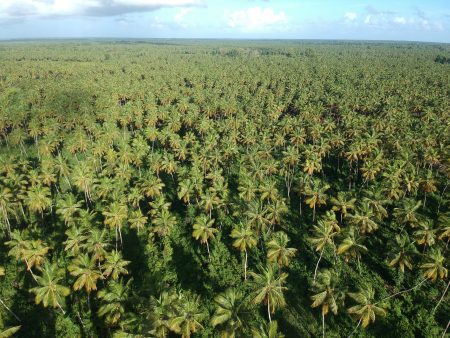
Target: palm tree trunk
[(323, 325), (400, 292), (245, 265), (268, 309), (64, 313), (314, 212), (207, 248), (317, 265), (442, 297), (446, 328), (7, 308), (356, 328)]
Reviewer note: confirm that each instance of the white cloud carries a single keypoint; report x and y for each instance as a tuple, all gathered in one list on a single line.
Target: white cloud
[(179, 17), (350, 16), (255, 18), (400, 20), (20, 9)]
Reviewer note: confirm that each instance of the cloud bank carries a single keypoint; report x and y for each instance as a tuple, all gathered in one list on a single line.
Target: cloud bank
[(255, 18), (23, 9)]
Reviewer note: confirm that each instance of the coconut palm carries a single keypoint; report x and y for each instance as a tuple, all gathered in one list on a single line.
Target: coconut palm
[(163, 222), (267, 330), (114, 265), (434, 267), (112, 300), (326, 294), (403, 252), (277, 250), (268, 286), (188, 317), (351, 246), (244, 239), (230, 313), (363, 218), (115, 217), (366, 309), (322, 238), (76, 238), (38, 199), (50, 291), (97, 244), (316, 195), (162, 310), (203, 230), (343, 203), (84, 269), (407, 214), (68, 207)]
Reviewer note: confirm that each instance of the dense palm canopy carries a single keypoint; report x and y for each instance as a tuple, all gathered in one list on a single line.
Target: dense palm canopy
[(319, 167)]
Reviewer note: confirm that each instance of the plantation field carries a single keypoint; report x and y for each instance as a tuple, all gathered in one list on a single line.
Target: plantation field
[(207, 188)]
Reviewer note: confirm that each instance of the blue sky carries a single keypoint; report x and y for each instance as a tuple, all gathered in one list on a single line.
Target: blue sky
[(285, 19)]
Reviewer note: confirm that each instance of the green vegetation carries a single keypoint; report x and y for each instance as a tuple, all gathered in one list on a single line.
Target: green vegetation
[(224, 189)]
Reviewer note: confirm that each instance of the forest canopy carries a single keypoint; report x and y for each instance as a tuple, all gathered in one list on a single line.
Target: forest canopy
[(185, 188)]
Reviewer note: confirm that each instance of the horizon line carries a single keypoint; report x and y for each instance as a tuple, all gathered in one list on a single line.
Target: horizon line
[(31, 39)]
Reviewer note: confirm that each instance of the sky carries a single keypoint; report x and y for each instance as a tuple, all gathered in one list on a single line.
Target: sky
[(409, 20)]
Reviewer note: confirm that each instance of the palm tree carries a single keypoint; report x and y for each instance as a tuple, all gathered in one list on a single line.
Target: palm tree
[(316, 195), (76, 238), (151, 186), (7, 207), (434, 266), (83, 267), (112, 299), (114, 265), (426, 235), (366, 309), (407, 214), (32, 252), (188, 317), (343, 203), (268, 285), (267, 330), (68, 207), (402, 256), (363, 219), (163, 222), (137, 220), (326, 294), (97, 243), (277, 250), (38, 199), (230, 313), (185, 191), (49, 291), (244, 239), (322, 238), (115, 216), (351, 246), (204, 230), (162, 311)]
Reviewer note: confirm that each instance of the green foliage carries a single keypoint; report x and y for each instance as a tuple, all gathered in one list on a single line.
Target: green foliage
[(320, 167)]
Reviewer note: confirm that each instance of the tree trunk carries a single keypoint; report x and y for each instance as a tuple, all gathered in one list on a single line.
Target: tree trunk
[(268, 309), (317, 265), (442, 297), (245, 265), (323, 325), (7, 308), (207, 248)]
